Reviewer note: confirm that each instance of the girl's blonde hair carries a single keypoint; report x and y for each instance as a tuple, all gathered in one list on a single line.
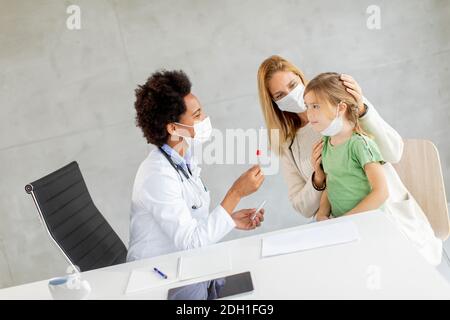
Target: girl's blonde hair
[(286, 122), (329, 87)]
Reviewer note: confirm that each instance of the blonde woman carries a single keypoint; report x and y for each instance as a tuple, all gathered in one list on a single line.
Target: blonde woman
[(281, 85)]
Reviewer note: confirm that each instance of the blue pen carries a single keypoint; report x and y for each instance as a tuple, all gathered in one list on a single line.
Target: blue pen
[(160, 273)]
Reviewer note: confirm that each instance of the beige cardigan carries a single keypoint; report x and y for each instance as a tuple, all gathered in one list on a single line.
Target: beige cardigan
[(401, 206)]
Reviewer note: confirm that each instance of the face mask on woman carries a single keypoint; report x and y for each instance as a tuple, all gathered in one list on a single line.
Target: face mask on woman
[(202, 131), (293, 102), (335, 127)]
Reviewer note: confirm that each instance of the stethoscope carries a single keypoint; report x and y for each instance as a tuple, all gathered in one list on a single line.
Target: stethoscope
[(198, 190)]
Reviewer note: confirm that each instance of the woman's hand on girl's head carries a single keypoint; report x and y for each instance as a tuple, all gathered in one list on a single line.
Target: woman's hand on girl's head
[(354, 89)]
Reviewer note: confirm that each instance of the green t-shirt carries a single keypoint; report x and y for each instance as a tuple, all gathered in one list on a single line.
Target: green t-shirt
[(347, 183)]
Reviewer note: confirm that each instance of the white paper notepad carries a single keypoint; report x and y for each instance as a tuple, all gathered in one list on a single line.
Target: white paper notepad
[(204, 262), (311, 238), (146, 278)]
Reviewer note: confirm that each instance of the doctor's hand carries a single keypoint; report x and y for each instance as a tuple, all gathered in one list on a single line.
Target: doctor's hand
[(246, 184), (243, 219), (249, 181)]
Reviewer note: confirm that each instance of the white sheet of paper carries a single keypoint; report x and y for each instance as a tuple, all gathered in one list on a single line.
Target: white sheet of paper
[(146, 278), (314, 237), (203, 263)]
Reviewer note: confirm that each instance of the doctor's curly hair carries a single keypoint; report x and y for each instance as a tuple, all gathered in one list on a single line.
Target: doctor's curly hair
[(159, 101)]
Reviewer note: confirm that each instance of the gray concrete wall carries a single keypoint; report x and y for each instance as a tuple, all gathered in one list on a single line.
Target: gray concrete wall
[(68, 94)]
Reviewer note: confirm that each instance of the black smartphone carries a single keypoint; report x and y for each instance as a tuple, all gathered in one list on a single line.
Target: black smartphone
[(214, 289)]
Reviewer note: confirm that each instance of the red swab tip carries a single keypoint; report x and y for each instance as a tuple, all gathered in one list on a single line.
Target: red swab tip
[(258, 152)]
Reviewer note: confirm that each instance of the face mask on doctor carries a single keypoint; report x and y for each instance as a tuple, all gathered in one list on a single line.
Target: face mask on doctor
[(202, 132), (293, 102), (335, 127)]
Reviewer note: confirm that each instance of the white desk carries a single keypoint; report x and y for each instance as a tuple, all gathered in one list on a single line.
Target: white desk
[(345, 271)]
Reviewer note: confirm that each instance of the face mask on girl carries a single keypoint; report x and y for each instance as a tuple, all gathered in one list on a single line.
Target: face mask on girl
[(335, 127), (293, 102)]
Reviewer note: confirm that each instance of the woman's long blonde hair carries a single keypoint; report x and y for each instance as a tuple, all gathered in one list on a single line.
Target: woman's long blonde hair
[(286, 122), (329, 87)]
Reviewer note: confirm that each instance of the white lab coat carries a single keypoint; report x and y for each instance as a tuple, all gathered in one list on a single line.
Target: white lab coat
[(162, 218)]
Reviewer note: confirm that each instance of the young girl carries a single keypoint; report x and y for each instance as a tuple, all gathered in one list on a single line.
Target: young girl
[(355, 180)]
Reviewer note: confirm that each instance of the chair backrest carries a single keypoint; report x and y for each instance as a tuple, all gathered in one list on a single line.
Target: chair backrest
[(72, 220), (420, 170)]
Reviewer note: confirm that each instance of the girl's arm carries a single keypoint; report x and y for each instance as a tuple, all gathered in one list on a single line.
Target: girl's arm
[(324, 209), (379, 193)]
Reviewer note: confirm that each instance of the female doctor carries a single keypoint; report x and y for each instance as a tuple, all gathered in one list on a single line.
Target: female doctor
[(170, 203)]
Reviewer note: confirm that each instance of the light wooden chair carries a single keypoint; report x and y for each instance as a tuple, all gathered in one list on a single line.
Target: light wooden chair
[(420, 170)]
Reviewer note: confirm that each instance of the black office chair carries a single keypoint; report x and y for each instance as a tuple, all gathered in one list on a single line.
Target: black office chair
[(73, 222)]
